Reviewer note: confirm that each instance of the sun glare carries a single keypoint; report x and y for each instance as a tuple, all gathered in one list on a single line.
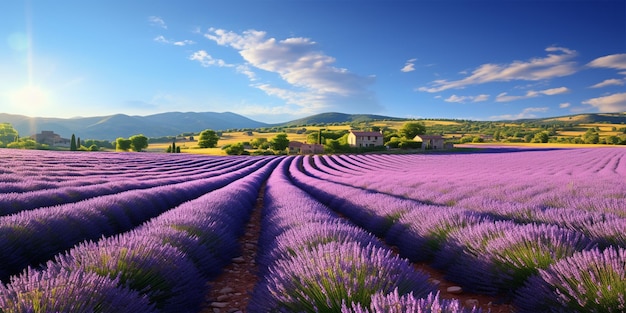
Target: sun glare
[(30, 98)]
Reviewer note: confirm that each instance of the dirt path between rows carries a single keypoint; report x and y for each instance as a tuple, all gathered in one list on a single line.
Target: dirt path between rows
[(231, 291)]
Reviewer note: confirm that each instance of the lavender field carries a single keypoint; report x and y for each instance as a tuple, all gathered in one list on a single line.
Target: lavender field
[(544, 230)]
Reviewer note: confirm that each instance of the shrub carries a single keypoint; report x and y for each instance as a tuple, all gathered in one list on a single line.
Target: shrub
[(326, 277), (588, 281)]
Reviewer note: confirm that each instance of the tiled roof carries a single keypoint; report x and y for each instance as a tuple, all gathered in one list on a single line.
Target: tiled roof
[(360, 134)]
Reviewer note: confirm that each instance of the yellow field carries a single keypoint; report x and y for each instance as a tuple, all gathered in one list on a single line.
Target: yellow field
[(226, 139)]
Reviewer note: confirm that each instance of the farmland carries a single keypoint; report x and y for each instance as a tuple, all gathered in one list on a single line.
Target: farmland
[(540, 229)]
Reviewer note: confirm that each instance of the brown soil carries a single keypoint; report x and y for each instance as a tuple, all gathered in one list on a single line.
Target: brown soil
[(231, 291)]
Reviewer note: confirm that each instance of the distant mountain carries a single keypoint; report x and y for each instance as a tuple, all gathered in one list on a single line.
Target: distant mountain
[(334, 117), (120, 125)]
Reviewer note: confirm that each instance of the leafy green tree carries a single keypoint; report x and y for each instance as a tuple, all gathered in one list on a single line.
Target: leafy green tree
[(541, 137), (613, 140), (412, 129), (138, 142), (93, 148), (26, 143), (279, 142), (73, 143), (208, 139), (529, 137), (122, 144), (591, 136), (99, 143), (235, 149), (410, 144), (8, 134), (259, 143)]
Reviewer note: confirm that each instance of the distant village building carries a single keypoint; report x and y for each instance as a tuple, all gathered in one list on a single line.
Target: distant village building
[(365, 139), (48, 137), (296, 147), (431, 142)]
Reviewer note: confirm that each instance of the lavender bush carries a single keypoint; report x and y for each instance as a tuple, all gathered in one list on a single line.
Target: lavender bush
[(396, 303), (329, 275), (588, 281), (60, 290), (142, 263)]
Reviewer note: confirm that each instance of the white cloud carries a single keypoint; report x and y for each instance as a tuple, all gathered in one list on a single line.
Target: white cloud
[(615, 61), (609, 82), (157, 21), (206, 60), (526, 113), (611, 103), (463, 99), (564, 105), (409, 66), (163, 40), (504, 97), (315, 81), (556, 64)]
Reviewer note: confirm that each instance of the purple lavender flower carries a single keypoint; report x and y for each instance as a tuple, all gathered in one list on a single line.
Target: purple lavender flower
[(588, 281), (57, 289), (396, 303), (324, 278), (142, 263)]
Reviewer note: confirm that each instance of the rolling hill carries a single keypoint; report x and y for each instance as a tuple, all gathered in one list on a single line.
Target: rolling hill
[(121, 125), (334, 117)]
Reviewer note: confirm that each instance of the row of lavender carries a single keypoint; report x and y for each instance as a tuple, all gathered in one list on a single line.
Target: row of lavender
[(582, 179), (537, 262), (34, 236), (28, 170), (596, 207), (161, 266), (26, 185), (311, 260)]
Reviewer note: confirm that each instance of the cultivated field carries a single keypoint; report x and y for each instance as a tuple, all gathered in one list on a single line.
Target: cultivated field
[(540, 229)]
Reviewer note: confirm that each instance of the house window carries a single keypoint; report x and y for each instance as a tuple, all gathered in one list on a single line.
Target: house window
[(368, 138)]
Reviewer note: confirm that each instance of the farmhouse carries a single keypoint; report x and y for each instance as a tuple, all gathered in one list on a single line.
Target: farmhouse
[(296, 147), (365, 139), (431, 142), (48, 137)]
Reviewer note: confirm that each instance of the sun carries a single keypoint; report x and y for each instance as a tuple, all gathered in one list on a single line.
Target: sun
[(31, 98)]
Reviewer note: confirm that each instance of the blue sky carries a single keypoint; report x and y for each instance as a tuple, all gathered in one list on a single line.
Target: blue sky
[(275, 60)]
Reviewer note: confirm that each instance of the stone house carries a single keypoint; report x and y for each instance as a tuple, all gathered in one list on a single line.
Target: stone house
[(361, 139), (48, 137), (431, 142), (296, 147)]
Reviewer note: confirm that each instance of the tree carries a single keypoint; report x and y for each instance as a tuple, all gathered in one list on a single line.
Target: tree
[(591, 136), (73, 143), (235, 149), (280, 142), (541, 137), (122, 144), (8, 134), (260, 143), (208, 139), (138, 142), (412, 129)]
